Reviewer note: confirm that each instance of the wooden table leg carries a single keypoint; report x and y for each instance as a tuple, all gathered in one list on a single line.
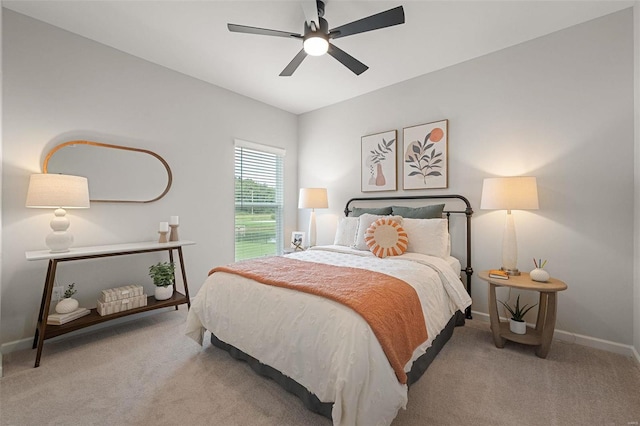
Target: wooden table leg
[(542, 312), (549, 324), (184, 278), (44, 308), (494, 317)]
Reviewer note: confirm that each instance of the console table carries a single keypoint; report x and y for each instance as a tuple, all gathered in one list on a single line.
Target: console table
[(45, 331)]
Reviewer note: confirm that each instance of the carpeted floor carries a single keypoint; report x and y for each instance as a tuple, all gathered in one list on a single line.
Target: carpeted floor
[(146, 372)]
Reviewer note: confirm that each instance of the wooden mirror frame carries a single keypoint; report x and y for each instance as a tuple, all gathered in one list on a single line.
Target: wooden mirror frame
[(125, 148)]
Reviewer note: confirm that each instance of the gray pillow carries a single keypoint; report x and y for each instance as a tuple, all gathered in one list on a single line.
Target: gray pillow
[(426, 212), (380, 211)]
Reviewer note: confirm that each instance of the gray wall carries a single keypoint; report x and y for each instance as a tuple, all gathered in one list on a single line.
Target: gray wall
[(59, 87), (559, 108), (636, 303)]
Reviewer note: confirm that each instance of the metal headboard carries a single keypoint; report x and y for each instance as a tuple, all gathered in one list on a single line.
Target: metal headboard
[(468, 212)]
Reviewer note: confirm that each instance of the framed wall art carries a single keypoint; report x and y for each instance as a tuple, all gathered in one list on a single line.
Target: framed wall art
[(378, 162), (425, 156)]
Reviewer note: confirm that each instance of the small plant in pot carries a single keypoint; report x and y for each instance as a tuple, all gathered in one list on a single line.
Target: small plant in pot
[(516, 323), (68, 303), (163, 277)]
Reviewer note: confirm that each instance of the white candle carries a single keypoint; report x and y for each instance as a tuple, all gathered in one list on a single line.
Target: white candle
[(164, 226), (173, 220)]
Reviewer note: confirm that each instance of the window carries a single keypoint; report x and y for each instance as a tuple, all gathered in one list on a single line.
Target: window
[(258, 200)]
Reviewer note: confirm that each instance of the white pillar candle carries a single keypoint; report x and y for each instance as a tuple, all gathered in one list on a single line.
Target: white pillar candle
[(164, 226), (173, 220)]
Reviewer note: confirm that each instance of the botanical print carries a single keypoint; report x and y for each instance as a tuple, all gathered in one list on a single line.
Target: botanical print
[(378, 162), (425, 156)]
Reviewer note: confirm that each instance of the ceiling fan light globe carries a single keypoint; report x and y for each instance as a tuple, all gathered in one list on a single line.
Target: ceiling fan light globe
[(316, 46)]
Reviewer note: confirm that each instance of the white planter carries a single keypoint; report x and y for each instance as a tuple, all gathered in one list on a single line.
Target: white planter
[(67, 305), (517, 327), (540, 275), (163, 293)]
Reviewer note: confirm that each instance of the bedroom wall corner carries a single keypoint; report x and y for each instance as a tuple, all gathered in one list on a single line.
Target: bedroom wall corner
[(59, 86), (636, 216), (549, 107)]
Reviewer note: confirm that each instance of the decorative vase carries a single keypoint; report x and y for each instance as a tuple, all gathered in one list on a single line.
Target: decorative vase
[(517, 327), (67, 305), (380, 180), (540, 275), (164, 293)]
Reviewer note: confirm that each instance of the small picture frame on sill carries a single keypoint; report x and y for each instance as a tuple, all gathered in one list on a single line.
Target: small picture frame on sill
[(298, 240)]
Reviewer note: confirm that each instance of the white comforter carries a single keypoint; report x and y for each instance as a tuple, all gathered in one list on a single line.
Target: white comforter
[(321, 344)]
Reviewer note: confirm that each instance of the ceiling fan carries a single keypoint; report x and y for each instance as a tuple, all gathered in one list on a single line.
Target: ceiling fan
[(315, 39)]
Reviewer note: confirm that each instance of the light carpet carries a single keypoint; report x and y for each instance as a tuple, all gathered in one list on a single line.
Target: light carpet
[(146, 372)]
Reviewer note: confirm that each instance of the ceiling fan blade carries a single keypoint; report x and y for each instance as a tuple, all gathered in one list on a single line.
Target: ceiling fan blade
[(310, 10), (294, 64), (261, 31), (385, 19), (347, 60)]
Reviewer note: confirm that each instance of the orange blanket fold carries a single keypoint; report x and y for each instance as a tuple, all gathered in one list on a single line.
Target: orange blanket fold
[(390, 306)]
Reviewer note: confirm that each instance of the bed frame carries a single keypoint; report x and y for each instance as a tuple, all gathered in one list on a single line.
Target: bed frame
[(311, 401), (468, 212)]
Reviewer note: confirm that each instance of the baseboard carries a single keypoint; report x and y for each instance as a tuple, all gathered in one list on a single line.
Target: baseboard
[(636, 355), (579, 339), (18, 345)]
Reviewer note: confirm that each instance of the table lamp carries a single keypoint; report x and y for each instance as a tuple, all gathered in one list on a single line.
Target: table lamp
[(313, 198), (510, 193), (54, 191)]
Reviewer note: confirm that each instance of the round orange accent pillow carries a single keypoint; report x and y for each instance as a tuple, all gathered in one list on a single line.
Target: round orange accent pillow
[(386, 238)]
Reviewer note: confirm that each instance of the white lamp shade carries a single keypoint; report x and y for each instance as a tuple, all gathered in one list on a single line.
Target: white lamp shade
[(313, 198), (49, 190), (510, 193)]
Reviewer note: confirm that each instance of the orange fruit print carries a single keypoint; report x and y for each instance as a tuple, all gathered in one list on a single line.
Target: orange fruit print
[(436, 134)]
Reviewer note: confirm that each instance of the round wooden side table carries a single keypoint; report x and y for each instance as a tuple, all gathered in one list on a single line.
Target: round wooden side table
[(542, 334)]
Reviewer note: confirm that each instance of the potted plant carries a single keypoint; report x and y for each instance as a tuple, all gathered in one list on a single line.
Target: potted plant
[(516, 323), (68, 303), (163, 277)]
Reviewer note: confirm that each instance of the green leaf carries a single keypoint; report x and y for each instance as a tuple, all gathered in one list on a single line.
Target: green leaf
[(416, 149), (437, 161), (415, 173), (436, 173), (428, 146)]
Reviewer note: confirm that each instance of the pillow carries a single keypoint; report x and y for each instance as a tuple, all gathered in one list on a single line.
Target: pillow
[(380, 211), (364, 222), (386, 238), (427, 236), (346, 232), (426, 212)]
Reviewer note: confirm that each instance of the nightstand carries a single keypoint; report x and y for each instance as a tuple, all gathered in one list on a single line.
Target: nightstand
[(542, 334)]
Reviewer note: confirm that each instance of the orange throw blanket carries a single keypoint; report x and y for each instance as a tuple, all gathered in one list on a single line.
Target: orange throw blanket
[(390, 306)]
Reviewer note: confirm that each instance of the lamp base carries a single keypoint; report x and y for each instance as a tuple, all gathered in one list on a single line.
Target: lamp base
[(514, 271)]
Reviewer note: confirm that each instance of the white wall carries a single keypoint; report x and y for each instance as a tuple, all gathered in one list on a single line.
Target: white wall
[(58, 87), (559, 108), (636, 298), (1, 162)]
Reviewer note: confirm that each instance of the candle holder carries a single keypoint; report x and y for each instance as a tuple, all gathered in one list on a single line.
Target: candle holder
[(173, 236), (163, 236)]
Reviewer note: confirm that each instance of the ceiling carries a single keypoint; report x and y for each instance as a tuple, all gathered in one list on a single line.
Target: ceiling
[(191, 37)]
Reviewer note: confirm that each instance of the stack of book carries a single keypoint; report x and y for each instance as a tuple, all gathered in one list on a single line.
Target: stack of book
[(59, 319), (498, 273)]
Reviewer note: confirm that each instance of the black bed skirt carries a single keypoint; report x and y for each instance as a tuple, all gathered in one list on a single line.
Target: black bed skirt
[(324, 408)]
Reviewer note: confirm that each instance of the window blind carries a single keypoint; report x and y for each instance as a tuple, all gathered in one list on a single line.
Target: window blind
[(258, 200)]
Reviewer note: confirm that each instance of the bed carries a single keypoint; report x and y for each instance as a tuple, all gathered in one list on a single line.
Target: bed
[(325, 352)]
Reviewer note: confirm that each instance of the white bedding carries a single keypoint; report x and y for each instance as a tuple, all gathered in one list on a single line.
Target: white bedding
[(321, 344)]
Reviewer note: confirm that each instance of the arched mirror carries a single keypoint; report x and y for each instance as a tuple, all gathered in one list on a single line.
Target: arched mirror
[(116, 173)]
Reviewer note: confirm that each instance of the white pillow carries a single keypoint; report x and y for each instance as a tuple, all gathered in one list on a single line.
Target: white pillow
[(346, 232), (364, 222), (427, 236)]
